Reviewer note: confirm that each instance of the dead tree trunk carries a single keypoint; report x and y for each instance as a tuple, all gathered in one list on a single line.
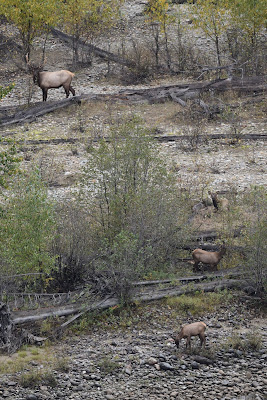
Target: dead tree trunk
[(6, 329)]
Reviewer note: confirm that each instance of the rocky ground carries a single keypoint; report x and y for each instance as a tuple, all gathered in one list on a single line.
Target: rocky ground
[(141, 361)]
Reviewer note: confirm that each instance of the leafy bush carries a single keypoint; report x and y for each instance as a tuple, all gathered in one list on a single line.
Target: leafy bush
[(133, 216), (27, 227)]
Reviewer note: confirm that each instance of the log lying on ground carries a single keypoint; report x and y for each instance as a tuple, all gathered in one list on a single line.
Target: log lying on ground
[(11, 338), (113, 301), (151, 95)]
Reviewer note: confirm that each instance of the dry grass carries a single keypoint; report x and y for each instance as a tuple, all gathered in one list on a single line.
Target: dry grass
[(24, 358)]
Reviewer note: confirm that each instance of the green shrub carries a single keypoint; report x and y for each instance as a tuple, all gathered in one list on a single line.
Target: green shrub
[(254, 340), (62, 364), (132, 230)]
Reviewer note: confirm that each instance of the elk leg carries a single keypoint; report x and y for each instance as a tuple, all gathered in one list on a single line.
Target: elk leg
[(44, 94), (72, 90), (202, 339), (188, 342), (195, 267), (67, 91)]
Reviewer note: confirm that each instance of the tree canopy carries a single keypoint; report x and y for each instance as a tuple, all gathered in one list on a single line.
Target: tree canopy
[(31, 17)]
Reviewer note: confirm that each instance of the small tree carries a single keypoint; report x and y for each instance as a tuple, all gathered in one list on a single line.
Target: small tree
[(9, 161), (31, 17), (159, 19), (27, 227), (212, 18), (87, 18), (249, 18), (128, 192), (255, 238)]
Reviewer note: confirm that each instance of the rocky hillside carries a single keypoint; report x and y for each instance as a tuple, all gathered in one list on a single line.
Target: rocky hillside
[(136, 358)]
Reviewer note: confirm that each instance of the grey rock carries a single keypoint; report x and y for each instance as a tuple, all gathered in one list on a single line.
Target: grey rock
[(152, 361), (203, 360), (166, 366), (194, 365), (31, 397)]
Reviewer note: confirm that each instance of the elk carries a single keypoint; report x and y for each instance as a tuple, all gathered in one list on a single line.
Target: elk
[(51, 80), (219, 203), (211, 258), (194, 329)]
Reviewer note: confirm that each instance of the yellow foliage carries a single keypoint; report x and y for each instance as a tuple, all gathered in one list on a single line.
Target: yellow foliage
[(89, 16), (31, 17), (157, 11)]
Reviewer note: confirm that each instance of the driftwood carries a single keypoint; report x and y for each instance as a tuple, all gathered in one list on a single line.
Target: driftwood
[(178, 93), (161, 139)]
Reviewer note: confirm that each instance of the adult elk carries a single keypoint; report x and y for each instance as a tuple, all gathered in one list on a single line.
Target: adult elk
[(211, 258), (194, 329), (51, 80)]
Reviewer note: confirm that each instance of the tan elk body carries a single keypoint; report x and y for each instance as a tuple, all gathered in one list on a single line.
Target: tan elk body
[(211, 258), (194, 329)]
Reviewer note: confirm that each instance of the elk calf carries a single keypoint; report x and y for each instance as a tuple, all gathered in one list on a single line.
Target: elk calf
[(194, 329)]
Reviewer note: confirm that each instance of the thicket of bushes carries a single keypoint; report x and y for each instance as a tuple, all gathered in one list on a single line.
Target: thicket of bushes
[(127, 219)]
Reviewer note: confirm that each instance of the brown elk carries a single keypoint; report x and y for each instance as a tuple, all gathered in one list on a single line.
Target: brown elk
[(211, 258), (194, 329), (51, 80)]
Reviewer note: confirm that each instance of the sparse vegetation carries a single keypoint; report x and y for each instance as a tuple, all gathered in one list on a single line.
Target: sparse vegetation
[(62, 364), (246, 342), (130, 216), (198, 304), (22, 359), (108, 365), (35, 377)]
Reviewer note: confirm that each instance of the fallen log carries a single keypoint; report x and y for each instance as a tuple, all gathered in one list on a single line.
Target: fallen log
[(161, 94), (159, 138), (153, 295)]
